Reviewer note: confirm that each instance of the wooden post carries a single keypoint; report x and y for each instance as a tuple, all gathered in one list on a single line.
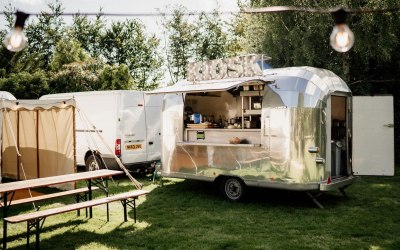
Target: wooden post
[(74, 141), (18, 157), (37, 145)]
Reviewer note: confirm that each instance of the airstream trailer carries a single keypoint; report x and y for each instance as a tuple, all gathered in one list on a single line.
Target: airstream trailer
[(240, 123)]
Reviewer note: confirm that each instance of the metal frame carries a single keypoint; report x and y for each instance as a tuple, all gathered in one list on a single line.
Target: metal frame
[(38, 223), (102, 184)]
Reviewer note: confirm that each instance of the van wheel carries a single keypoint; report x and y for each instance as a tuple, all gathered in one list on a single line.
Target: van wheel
[(93, 162), (233, 188)]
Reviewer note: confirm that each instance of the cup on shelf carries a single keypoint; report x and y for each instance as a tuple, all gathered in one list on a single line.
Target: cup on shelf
[(247, 124)]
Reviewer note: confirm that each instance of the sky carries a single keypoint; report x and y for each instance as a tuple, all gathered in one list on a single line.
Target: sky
[(152, 23)]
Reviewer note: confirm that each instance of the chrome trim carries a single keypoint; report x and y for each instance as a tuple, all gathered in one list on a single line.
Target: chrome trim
[(313, 150), (337, 183)]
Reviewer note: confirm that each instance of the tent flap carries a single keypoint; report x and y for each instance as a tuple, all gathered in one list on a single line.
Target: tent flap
[(43, 133)]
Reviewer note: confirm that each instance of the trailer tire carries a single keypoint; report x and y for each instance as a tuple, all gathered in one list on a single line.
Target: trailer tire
[(233, 188), (93, 162)]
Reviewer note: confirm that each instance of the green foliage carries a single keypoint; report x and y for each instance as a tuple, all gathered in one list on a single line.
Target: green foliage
[(115, 77), (180, 43), (202, 39), (89, 33), (210, 39), (24, 85), (77, 76), (44, 34), (67, 51), (126, 43), (77, 54)]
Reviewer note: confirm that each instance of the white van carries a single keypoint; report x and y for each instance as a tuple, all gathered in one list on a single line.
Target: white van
[(126, 121)]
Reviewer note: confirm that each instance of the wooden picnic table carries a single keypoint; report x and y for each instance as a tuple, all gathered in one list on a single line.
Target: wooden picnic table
[(7, 190)]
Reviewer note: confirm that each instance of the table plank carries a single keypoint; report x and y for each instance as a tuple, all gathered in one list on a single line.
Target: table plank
[(59, 179)]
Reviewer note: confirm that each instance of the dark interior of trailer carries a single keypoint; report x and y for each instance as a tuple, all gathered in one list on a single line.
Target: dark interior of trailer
[(339, 140)]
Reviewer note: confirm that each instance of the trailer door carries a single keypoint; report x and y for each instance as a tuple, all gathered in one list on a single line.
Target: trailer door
[(373, 135)]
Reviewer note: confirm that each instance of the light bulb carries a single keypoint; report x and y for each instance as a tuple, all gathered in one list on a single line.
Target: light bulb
[(16, 40), (342, 38)]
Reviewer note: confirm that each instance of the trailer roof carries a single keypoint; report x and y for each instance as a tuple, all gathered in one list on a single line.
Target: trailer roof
[(309, 80), (208, 86)]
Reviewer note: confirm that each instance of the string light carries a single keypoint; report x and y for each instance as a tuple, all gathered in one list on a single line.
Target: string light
[(16, 40), (342, 38)]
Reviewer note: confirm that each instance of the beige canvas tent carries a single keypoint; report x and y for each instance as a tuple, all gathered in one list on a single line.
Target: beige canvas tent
[(37, 138)]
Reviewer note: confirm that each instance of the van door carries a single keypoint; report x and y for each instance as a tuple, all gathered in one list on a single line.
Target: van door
[(153, 126), (373, 135), (133, 133)]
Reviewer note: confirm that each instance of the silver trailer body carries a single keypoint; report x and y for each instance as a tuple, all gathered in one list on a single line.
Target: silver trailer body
[(301, 139)]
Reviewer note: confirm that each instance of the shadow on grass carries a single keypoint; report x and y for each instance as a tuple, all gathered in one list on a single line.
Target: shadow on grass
[(13, 237), (192, 214)]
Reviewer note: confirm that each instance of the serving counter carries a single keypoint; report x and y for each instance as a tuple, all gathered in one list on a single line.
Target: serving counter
[(222, 136)]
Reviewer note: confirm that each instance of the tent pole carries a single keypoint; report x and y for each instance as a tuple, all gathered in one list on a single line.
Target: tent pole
[(1, 146), (37, 145), (74, 138), (18, 157)]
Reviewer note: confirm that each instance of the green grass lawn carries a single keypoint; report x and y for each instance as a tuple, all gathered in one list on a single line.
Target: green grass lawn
[(192, 215)]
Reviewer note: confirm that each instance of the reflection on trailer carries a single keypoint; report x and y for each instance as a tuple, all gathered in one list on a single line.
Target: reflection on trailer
[(286, 128)]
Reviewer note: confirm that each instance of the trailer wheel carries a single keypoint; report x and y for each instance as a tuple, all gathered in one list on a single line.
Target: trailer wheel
[(93, 162), (233, 188)]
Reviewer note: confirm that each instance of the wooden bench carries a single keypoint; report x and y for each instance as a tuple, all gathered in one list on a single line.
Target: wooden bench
[(78, 193), (34, 219), (50, 196)]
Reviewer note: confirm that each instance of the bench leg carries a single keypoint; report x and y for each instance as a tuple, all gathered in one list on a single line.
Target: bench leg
[(108, 213), (28, 229), (30, 225), (4, 234), (125, 210), (37, 234), (132, 204), (90, 198), (134, 209), (78, 212), (79, 198)]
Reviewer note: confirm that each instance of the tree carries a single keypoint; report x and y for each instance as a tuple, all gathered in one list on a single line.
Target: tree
[(67, 51), (210, 39), (89, 33), (44, 34), (77, 76), (126, 43), (115, 77), (202, 39), (25, 85), (180, 49)]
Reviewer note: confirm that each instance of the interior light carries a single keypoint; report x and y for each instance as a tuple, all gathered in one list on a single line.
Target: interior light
[(16, 40), (342, 38)]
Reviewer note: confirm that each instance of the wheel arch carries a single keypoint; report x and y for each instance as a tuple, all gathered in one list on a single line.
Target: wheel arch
[(89, 152), (221, 178)]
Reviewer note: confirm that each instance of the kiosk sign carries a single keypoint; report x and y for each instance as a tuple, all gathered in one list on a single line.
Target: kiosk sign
[(233, 67)]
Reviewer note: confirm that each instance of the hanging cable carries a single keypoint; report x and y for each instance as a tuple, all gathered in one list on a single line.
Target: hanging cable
[(137, 184)]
